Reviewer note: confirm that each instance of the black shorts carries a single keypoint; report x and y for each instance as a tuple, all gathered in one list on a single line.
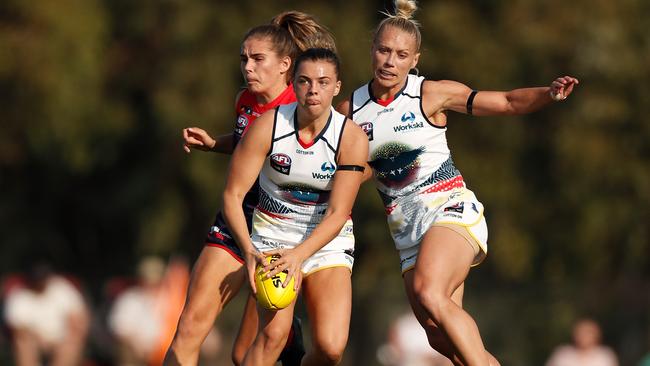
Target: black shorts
[(219, 237)]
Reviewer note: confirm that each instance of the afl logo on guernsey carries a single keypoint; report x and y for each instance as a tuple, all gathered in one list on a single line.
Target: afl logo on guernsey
[(281, 163), (242, 121), (240, 125), (367, 128)]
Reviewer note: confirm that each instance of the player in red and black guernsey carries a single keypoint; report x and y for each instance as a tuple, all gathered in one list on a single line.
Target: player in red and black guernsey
[(247, 109), (267, 55)]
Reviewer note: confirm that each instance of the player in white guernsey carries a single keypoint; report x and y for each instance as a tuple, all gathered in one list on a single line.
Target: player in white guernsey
[(436, 222), (267, 55), (310, 164)]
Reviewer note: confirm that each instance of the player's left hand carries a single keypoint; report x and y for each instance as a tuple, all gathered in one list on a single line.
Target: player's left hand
[(291, 261), (562, 87)]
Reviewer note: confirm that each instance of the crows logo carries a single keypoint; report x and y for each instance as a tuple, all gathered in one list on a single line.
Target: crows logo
[(396, 165)]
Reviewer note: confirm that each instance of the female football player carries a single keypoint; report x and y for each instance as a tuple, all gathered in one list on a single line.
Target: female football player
[(267, 55), (310, 160), (437, 224)]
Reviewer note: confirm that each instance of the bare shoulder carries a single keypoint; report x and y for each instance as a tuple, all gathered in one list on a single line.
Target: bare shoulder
[(265, 120), (354, 142), (260, 132), (442, 86), (353, 131), (441, 95)]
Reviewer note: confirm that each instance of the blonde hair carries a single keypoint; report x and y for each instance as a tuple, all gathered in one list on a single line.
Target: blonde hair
[(402, 20)]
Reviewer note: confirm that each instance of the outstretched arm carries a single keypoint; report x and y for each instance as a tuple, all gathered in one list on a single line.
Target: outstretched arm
[(198, 138), (245, 166), (451, 95), (352, 152)]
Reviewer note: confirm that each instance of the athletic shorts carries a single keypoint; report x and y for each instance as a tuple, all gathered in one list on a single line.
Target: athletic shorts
[(409, 218), (322, 259), (219, 237)]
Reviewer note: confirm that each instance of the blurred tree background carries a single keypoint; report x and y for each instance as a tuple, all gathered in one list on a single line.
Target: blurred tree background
[(94, 94)]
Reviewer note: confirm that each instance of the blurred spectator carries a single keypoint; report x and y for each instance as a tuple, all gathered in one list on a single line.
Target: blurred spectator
[(645, 361), (144, 317), (47, 318), (408, 345), (586, 349)]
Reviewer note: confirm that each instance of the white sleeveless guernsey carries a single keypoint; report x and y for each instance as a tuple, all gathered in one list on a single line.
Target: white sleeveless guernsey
[(295, 182), (412, 164), (407, 152)]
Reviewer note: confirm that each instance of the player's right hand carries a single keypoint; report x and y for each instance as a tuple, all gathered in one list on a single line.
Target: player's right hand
[(252, 259), (197, 138)]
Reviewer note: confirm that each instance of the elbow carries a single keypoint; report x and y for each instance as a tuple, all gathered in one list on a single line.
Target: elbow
[(511, 111), (508, 108), (338, 216), (230, 206), (232, 199), (227, 198)]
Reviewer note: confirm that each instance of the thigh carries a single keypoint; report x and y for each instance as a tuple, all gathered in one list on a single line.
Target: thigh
[(328, 297), (443, 261), (216, 278)]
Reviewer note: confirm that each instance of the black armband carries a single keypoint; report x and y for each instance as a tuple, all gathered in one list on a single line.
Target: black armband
[(470, 101), (354, 168)]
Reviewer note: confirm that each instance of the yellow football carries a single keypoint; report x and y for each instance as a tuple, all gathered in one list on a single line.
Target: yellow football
[(270, 293)]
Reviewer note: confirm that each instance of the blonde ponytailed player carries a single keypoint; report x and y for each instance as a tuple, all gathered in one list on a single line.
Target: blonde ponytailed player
[(437, 224), (267, 55), (310, 161)]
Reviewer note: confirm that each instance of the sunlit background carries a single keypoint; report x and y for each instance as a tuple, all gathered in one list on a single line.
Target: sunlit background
[(94, 94)]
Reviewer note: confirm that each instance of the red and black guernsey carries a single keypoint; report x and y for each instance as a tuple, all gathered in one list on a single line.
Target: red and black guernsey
[(247, 110)]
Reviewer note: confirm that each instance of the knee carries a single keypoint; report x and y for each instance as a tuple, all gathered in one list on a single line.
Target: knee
[(274, 338), (330, 356), (193, 327), (432, 298), (330, 350)]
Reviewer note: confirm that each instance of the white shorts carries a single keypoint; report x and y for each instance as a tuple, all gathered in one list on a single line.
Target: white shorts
[(287, 230), (322, 259), (411, 217)]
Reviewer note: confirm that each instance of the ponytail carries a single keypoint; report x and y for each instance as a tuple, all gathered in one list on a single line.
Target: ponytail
[(305, 31), (293, 32), (402, 20)]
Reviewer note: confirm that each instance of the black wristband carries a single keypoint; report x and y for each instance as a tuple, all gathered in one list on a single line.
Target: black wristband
[(470, 101), (354, 168)]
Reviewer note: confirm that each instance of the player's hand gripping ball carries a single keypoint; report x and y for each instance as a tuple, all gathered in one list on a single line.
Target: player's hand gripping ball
[(270, 293)]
